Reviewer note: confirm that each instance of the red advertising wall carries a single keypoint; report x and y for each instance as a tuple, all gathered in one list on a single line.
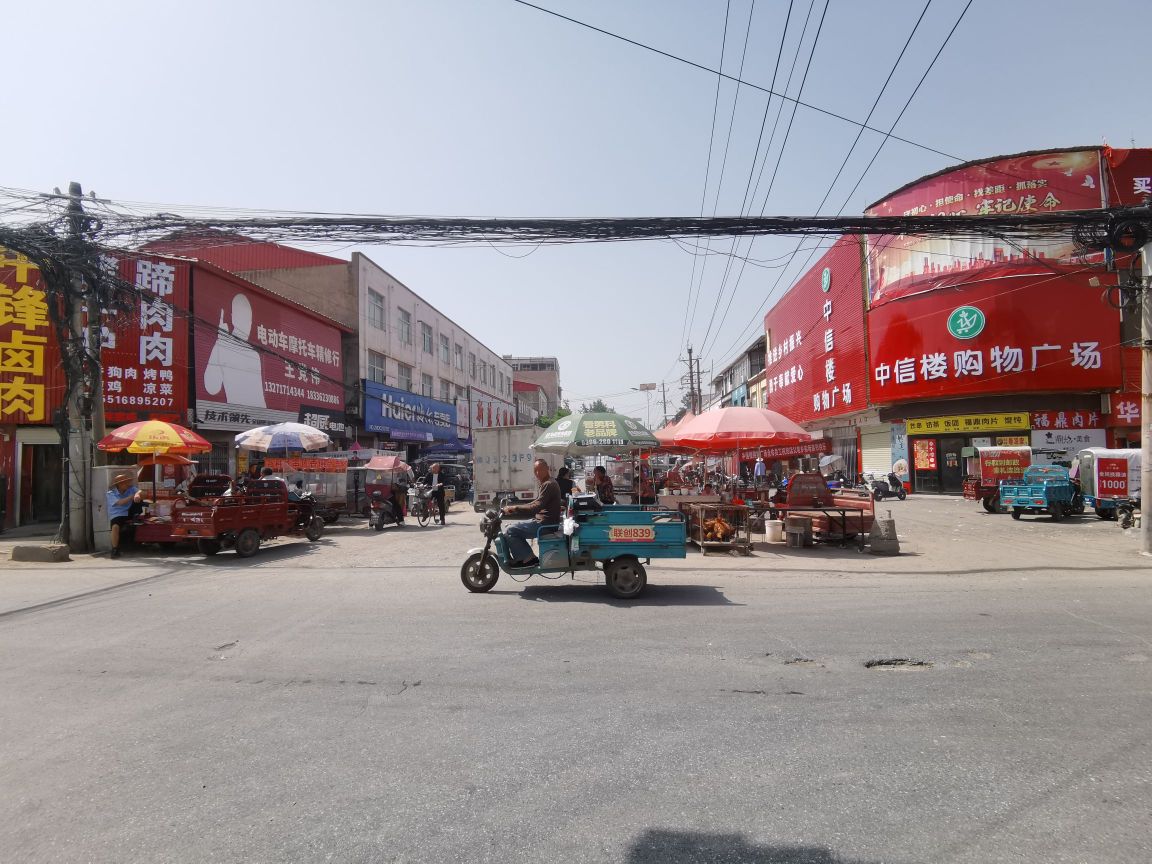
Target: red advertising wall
[(1030, 183), (1129, 175), (260, 360), (815, 365), (1050, 333), (144, 350)]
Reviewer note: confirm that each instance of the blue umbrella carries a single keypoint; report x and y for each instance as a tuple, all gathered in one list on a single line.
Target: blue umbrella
[(283, 437)]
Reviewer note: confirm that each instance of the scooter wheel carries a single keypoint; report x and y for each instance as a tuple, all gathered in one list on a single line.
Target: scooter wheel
[(378, 524), (625, 577), (877, 495), (479, 572), (314, 528), (901, 493)]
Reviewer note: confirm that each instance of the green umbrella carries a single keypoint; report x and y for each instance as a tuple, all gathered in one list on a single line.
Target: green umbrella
[(588, 434)]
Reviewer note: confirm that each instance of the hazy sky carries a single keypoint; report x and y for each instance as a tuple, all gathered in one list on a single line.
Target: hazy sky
[(491, 108)]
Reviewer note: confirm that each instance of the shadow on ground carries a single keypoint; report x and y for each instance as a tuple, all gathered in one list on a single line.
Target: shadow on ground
[(653, 595), (656, 846)]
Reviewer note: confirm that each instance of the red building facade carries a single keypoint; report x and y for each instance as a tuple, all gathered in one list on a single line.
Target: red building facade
[(971, 342)]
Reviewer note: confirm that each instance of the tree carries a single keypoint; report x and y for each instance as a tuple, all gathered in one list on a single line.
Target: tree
[(597, 407), (562, 411)]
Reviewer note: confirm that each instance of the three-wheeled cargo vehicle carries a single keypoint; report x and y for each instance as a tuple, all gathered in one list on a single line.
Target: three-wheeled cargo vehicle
[(1043, 489), (987, 467), (618, 539), (243, 519), (1111, 482)]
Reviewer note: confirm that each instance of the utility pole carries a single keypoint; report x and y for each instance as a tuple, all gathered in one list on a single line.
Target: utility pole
[(1146, 392), (664, 400), (694, 396)]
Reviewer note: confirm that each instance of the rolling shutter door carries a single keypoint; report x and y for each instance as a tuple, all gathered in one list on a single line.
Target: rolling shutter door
[(876, 449)]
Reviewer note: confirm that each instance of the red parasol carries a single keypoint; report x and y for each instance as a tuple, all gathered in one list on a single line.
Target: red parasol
[(737, 427)]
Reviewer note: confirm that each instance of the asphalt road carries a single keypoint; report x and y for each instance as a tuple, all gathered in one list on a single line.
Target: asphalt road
[(349, 701)]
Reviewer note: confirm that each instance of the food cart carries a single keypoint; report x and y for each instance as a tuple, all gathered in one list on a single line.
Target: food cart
[(162, 476), (324, 477), (719, 527), (987, 466)]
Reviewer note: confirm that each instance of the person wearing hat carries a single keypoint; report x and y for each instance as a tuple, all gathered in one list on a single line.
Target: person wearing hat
[(125, 501)]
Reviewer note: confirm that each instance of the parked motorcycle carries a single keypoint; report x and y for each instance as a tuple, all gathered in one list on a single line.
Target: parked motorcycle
[(382, 511), (891, 487)]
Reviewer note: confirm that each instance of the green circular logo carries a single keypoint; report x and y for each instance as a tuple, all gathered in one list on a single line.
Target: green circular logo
[(966, 322), (826, 280)]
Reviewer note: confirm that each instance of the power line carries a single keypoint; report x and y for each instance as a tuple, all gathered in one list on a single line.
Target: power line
[(762, 89)]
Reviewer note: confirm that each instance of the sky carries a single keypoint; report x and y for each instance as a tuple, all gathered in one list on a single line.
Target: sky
[(494, 108)]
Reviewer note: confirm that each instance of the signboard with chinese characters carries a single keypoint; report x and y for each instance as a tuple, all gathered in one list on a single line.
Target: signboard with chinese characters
[(814, 365), (145, 350), (1129, 175), (31, 380), (1125, 409), (407, 416), (487, 411), (1067, 420), (1029, 183), (1071, 441), (992, 337), (967, 424), (817, 446), (1111, 477), (259, 359)]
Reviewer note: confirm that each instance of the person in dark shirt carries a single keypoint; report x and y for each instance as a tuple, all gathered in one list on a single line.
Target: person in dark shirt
[(565, 482), (603, 485), (544, 509), (435, 482)]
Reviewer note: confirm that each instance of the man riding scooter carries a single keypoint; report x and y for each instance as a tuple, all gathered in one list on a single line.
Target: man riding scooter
[(545, 509)]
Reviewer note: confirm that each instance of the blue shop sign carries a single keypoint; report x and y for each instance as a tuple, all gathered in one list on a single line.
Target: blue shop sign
[(407, 416)]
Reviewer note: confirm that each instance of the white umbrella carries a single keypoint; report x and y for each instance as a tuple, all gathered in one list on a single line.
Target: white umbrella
[(283, 437)]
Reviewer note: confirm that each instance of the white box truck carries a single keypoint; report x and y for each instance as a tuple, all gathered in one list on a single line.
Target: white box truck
[(502, 460)]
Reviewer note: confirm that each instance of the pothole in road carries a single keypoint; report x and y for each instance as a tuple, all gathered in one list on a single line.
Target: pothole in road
[(904, 664)]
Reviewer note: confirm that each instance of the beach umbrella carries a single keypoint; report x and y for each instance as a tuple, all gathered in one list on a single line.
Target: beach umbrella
[(283, 437), (154, 436), (737, 427), (592, 433)]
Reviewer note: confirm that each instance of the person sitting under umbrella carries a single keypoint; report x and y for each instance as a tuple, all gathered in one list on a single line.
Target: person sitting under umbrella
[(125, 502)]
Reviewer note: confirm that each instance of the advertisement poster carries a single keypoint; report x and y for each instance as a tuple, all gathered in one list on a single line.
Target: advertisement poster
[(990, 338), (1066, 443), (258, 360), (144, 350), (899, 439), (924, 454), (1112, 478), (406, 416), (487, 411), (1035, 183), (814, 365)]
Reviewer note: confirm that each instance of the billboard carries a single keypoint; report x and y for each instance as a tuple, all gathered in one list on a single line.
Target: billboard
[(143, 349), (486, 410), (988, 338), (406, 416), (814, 363), (259, 360), (1031, 183)]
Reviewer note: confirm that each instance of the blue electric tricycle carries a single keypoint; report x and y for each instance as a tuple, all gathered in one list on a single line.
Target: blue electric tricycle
[(618, 539)]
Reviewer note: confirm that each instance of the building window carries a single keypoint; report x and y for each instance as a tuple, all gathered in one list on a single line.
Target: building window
[(377, 367), (483, 372), (459, 350), (445, 350), (459, 392), (472, 364), (404, 377), (405, 326), (426, 337), (426, 384), (445, 390), (376, 315)]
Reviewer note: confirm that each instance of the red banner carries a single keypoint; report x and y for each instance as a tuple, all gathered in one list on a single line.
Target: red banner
[(814, 447), (815, 362), (258, 359), (28, 352), (1035, 183), (994, 337)]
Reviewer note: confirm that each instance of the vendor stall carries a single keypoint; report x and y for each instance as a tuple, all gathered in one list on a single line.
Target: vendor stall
[(719, 527)]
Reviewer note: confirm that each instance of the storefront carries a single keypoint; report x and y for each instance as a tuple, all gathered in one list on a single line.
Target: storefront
[(408, 420), (937, 443)]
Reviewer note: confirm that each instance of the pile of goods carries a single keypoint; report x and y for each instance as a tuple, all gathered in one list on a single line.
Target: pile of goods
[(717, 530)]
